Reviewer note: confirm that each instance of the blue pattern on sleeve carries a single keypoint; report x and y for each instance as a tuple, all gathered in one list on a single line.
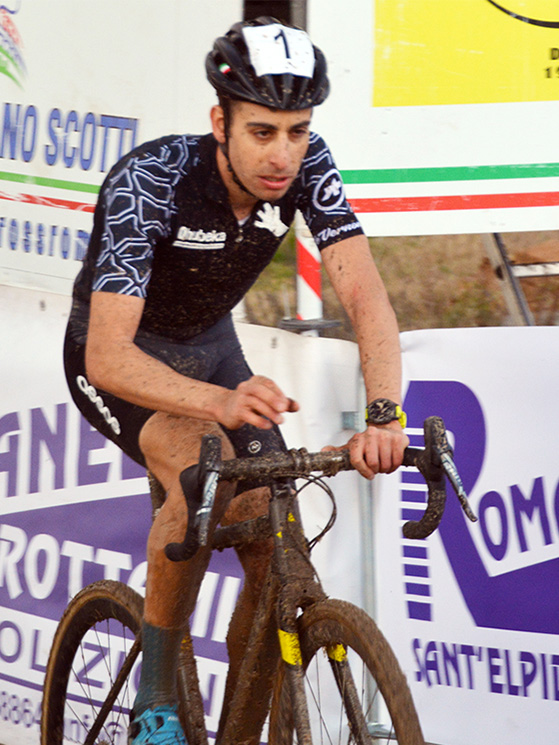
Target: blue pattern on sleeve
[(138, 204)]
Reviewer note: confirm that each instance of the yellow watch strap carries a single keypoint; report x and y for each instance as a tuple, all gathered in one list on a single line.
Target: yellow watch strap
[(402, 417)]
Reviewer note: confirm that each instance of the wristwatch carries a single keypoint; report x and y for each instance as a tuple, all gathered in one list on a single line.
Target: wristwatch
[(383, 411)]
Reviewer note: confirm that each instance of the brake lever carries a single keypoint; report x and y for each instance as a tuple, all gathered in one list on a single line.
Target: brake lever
[(210, 458), (445, 453), (199, 485), (451, 471)]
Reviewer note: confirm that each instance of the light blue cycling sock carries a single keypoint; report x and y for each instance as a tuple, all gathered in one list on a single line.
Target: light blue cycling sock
[(158, 679)]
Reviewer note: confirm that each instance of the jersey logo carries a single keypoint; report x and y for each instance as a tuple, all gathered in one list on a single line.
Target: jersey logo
[(199, 239), (329, 192), (86, 388), (270, 219)]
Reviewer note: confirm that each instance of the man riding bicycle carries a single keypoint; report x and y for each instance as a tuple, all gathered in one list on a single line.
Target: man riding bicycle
[(182, 228)]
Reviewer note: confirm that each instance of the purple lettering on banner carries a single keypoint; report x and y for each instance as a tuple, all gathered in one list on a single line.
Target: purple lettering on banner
[(494, 502), (524, 657), (65, 244), (9, 425), (432, 662), (87, 142), (82, 239), (19, 132), (10, 641), (51, 151), (51, 553), (528, 671), (494, 663), (29, 134), (55, 442), (90, 439), (450, 661), (509, 672), (35, 664), (421, 673), (10, 129), (535, 503), (520, 599), (512, 688), (468, 652), (555, 669)]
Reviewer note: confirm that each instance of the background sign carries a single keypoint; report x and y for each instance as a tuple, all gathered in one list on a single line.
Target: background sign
[(480, 639), (442, 114), (106, 77), (431, 52), (471, 612)]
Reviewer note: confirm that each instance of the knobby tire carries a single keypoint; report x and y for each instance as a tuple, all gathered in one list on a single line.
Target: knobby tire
[(95, 639), (351, 712)]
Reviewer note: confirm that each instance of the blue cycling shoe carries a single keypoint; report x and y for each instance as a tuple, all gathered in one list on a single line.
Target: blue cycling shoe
[(158, 726)]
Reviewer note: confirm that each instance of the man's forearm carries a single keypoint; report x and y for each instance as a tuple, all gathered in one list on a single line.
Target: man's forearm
[(362, 293), (131, 374), (380, 355)]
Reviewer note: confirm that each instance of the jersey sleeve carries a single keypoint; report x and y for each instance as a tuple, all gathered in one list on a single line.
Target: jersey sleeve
[(136, 205), (323, 204)]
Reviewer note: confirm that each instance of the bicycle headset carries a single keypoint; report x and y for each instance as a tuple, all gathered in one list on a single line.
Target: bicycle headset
[(265, 62)]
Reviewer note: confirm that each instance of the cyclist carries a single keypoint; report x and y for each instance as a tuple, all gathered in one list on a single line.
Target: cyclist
[(182, 228)]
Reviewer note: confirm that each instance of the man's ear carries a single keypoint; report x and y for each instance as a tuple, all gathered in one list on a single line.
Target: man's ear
[(218, 123)]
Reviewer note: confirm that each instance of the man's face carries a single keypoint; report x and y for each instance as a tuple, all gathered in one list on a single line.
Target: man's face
[(266, 147)]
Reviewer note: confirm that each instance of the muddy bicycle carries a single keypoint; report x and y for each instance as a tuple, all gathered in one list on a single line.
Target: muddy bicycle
[(314, 667)]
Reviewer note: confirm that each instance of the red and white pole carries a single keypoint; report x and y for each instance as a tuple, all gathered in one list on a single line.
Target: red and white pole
[(309, 281)]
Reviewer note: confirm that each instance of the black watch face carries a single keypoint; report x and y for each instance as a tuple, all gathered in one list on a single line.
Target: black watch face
[(382, 411)]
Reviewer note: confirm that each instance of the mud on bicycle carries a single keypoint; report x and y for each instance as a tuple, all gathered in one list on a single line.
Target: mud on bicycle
[(314, 667)]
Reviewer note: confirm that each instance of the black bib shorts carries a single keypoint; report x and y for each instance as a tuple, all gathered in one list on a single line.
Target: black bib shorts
[(214, 356)]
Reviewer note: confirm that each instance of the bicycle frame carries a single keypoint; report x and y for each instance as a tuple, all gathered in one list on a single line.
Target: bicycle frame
[(292, 584)]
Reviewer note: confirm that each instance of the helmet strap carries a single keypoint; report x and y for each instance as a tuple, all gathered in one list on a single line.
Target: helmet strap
[(224, 147), (226, 104)]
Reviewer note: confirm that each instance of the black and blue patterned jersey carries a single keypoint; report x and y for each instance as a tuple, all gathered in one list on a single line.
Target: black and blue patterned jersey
[(164, 231)]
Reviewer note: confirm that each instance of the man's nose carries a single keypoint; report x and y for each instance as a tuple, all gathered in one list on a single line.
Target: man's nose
[(280, 156)]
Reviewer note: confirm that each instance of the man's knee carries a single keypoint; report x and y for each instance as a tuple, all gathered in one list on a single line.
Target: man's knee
[(171, 444)]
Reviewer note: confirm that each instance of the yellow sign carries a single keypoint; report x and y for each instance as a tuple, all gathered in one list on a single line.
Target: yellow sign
[(429, 52)]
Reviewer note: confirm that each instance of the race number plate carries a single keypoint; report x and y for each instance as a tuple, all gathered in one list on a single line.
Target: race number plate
[(276, 49)]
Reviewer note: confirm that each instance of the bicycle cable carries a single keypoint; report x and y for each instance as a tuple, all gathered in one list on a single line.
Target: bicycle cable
[(318, 481)]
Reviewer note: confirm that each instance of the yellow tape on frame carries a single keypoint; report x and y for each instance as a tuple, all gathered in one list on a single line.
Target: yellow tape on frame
[(430, 52)]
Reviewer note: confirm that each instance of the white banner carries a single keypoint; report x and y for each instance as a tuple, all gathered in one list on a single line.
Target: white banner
[(441, 116), (472, 611), (87, 83)]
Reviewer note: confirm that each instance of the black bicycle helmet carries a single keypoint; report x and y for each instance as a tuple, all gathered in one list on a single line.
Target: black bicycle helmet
[(268, 63)]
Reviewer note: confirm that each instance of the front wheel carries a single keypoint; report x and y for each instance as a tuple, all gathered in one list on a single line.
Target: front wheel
[(91, 676), (355, 689)]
